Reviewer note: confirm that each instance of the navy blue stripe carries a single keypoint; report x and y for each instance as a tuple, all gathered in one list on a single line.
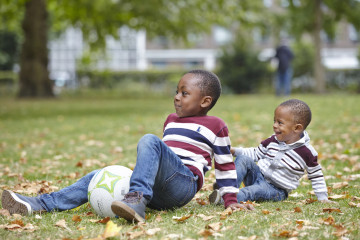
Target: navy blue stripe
[(228, 182), (220, 150)]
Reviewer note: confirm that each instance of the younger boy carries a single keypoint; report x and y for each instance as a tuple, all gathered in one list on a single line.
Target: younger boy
[(282, 159), (168, 172)]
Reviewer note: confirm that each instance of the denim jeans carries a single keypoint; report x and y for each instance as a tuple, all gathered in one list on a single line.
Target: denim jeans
[(283, 82), (69, 197), (256, 187), (159, 174)]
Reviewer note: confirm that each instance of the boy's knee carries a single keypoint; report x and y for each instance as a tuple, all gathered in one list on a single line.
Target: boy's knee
[(148, 139)]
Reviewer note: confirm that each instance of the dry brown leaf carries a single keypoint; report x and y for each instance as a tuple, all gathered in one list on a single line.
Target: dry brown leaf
[(328, 221), (181, 219), (340, 230), (206, 233), (287, 234), (18, 222), (331, 210), (133, 235), (201, 201), (340, 185), (339, 196), (76, 218), (204, 217), (62, 223), (214, 226), (352, 204), (104, 220), (297, 210), (224, 214), (265, 211)]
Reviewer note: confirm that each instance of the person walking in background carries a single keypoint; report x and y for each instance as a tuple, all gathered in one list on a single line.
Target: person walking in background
[(284, 71)]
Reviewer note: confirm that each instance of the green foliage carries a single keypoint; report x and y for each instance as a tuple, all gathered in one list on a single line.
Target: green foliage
[(303, 63), (8, 50), (240, 69)]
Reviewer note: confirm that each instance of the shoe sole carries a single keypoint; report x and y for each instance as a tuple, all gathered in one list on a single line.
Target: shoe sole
[(214, 197), (13, 204), (124, 211)]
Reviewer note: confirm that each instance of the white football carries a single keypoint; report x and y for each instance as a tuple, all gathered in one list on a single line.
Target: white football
[(109, 184)]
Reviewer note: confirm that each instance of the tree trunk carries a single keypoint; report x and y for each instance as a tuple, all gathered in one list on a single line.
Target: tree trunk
[(34, 81), (319, 71)]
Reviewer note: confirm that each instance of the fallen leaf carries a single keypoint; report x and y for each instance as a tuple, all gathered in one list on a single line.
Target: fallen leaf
[(352, 204), (297, 210), (62, 223), (224, 214), (158, 218), (340, 185), (265, 211), (104, 220), (214, 226), (76, 218), (111, 230), (331, 210), (151, 232), (204, 217), (338, 196), (133, 235), (201, 201), (181, 219), (340, 231), (328, 221), (18, 222), (206, 233)]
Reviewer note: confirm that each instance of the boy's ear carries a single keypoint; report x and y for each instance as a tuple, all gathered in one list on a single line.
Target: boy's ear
[(299, 127), (206, 101)]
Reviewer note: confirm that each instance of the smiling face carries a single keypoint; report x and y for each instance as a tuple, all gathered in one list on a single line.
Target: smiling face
[(285, 127), (189, 100)]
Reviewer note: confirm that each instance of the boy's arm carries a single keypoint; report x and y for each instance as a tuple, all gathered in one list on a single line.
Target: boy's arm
[(225, 171)]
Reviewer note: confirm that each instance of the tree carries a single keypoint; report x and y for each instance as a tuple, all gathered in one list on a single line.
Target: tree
[(315, 16), (97, 19)]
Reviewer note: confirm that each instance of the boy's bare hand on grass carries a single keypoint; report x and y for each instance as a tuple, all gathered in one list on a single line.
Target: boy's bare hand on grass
[(246, 206)]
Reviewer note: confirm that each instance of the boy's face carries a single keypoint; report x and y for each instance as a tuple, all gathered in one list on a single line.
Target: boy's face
[(189, 101), (285, 128)]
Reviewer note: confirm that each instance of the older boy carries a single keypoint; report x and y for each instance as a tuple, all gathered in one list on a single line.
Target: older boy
[(168, 172), (282, 159)]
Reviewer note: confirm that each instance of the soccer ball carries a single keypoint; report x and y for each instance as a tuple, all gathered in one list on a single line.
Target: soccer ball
[(109, 184)]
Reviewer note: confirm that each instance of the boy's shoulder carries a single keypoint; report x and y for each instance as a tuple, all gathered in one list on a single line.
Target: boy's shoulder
[(204, 120), (213, 123)]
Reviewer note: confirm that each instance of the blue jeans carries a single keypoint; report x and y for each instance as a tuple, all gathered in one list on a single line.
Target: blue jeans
[(283, 82), (256, 187), (159, 174), (69, 197)]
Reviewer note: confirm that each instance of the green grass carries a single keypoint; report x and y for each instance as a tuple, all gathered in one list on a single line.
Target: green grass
[(46, 139)]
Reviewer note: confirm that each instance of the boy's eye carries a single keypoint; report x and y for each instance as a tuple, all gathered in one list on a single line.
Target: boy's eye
[(176, 92), (184, 93)]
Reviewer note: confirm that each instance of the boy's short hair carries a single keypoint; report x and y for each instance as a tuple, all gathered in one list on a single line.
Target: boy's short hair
[(300, 110), (209, 84)]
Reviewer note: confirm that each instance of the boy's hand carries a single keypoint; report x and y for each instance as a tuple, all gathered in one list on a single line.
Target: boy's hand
[(235, 206), (329, 201), (232, 150)]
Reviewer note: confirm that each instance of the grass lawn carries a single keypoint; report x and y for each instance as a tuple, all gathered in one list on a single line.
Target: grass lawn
[(47, 145)]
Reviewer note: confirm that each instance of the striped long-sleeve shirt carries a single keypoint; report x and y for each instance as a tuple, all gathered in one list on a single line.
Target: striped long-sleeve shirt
[(198, 140), (284, 164)]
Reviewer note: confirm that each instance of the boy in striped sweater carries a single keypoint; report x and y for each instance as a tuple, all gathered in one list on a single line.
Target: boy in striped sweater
[(168, 172), (282, 159)]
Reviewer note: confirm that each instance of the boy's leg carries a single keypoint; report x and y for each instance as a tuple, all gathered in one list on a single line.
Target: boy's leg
[(160, 178), (65, 199), (261, 191), (69, 197)]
